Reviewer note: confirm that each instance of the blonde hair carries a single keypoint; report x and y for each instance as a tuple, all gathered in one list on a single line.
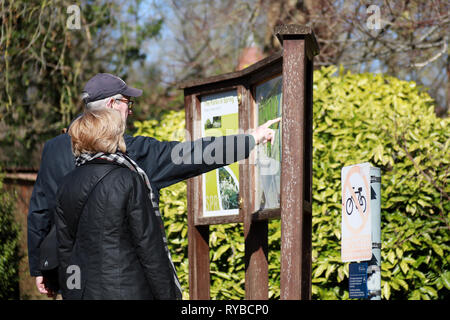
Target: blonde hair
[(98, 130)]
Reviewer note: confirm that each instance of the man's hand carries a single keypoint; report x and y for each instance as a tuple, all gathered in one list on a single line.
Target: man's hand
[(42, 288), (263, 133)]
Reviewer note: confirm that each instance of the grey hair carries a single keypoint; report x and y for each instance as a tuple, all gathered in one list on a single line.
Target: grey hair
[(99, 104)]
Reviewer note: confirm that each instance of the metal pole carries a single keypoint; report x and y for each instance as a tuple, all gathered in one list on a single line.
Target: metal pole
[(374, 267)]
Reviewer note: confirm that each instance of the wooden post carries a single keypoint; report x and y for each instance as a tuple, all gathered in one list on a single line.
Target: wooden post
[(256, 260), (255, 232), (198, 236), (299, 47)]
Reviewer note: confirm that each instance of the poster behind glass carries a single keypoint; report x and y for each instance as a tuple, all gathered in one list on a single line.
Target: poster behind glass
[(268, 98), (219, 117)]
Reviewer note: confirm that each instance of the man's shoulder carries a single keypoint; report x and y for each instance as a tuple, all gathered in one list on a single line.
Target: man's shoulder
[(57, 154), (60, 140), (143, 145), (139, 139)]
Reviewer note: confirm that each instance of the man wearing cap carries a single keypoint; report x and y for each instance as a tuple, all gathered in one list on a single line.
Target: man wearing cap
[(153, 156)]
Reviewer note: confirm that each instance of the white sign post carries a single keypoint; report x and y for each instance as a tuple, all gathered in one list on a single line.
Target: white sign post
[(361, 231), (356, 218)]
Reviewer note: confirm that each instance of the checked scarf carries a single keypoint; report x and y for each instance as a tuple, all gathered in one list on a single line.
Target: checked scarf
[(123, 159)]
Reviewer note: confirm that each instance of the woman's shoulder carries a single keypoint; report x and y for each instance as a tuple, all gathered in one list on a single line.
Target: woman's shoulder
[(125, 177), (125, 183), (90, 173)]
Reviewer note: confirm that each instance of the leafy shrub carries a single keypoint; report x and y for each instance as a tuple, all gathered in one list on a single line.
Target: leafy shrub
[(357, 118), (9, 247), (390, 123)]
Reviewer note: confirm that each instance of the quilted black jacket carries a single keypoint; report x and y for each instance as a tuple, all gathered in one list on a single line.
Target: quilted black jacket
[(115, 242)]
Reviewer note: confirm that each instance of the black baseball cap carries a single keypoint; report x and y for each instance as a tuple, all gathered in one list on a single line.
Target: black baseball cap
[(104, 85)]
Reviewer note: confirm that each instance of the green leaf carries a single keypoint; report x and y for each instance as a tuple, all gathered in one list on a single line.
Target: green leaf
[(415, 295), (429, 291), (446, 279), (175, 227), (391, 257), (402, 283), (221, 275), (320, 269), (341, 274), (218, 253), (386, 291), (404, 266), (438, 249), (330, 269)]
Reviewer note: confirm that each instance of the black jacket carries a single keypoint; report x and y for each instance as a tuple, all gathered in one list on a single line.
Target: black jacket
[(153, 156), (115, 241)]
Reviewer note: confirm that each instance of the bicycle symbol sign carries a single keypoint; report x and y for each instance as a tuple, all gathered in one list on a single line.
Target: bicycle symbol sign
[(349, 204), (355, 195), (356, 220)]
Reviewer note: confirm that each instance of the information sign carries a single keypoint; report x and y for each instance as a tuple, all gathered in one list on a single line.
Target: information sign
[(219, 114), (356, 242), (358, 280)]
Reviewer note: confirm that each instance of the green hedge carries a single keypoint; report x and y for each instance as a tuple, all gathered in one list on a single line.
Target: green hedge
[(357, 118), (9, 246), (390, 123)]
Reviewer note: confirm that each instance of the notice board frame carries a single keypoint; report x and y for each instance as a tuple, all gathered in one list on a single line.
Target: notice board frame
[(295, 64)]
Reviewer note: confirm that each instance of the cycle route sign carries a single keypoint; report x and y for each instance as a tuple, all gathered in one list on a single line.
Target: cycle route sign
[(356, 242)]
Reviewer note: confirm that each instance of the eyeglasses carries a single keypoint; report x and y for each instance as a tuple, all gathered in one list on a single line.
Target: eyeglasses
[(128, 102)]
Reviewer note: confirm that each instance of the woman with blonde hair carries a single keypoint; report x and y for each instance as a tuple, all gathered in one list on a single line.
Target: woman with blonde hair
[(111, 240)]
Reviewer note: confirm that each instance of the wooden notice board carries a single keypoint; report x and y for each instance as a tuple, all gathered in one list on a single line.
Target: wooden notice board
[(273, 182)]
